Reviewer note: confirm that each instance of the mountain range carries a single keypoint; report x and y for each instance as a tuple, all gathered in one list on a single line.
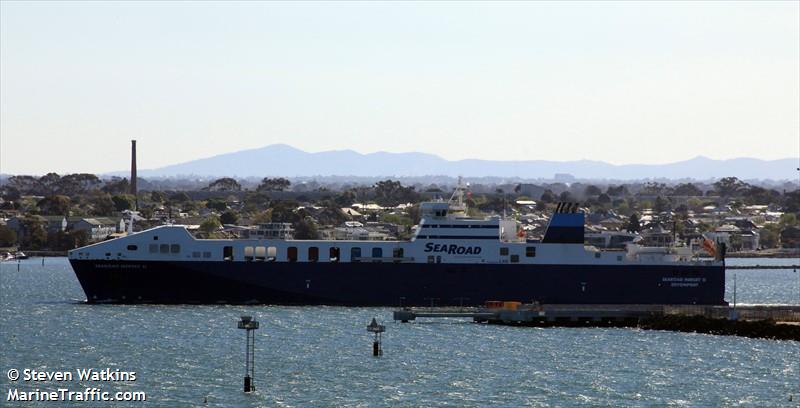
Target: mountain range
[(287, 161)]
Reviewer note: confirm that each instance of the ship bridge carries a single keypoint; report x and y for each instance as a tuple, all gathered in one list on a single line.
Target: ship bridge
[(448, 220)]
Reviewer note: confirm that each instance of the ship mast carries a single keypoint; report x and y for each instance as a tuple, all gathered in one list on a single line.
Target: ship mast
[(457, 199)]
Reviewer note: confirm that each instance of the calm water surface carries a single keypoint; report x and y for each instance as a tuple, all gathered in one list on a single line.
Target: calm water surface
[(321, 356)]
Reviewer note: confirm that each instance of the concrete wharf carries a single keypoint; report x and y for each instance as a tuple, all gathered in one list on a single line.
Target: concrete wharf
[(598, 315)]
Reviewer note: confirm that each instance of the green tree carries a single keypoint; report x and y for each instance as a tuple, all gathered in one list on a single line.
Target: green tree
[(8, 237), (123, 202), (49, 183), (26, 185), (345, 198), (792, 202), (617, 191), (687, 189), (224, 184), (284, 211), (788, 220), (736, 242), (392, 193), (54, 205), (78, 183), (117, 186), (330, 214), (633, 223), (682, 210), (263, 217), (102, 204), (158, 196), (255, 202), (592, 190), (770, 236), (35, 236), (547, 197), (653, 188), (621, 206), (661, 205), (210, 225), (274, 184), (217, 204), (229, 217), (755, 195), (79, 238), (179, 197), (695, 204), (305, 229), (730, 187), (414, 213)]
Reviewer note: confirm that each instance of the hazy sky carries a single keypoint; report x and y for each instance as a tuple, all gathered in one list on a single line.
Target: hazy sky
[(628, 82)]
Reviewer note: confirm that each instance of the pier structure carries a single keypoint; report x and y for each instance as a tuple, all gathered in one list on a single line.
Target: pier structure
[(771, 321)]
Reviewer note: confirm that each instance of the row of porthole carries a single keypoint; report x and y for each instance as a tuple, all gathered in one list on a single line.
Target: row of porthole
[(159, 248), (261, 253)]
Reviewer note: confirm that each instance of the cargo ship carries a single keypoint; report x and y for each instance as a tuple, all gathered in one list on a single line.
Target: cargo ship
[(451, 259)]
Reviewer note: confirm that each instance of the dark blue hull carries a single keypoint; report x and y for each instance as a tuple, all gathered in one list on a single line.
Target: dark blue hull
[(390, 284)]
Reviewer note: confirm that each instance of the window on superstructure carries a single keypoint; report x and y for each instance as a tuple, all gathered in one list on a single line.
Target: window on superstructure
[(431, 259), (514, 258), (196, 254), (334, 254), (206, 254), (132, 247), (261, 253), (530, 252), (227, 253), (272, 253), (291, 254), (313, 254), (175, 248), (377, 253), (248, 253), (503, 251), (397, 254), (355, 254), (164, 248)]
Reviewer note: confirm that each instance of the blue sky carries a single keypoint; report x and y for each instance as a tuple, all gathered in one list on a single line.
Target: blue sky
[(627, 82)]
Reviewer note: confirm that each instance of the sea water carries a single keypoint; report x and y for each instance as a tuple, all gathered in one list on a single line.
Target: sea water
[(186, 356)]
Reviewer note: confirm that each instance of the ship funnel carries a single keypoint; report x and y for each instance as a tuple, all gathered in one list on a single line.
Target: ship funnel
[(566, 225)]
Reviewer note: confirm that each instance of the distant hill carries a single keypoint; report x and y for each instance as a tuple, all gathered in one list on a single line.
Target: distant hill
[(287, 161)]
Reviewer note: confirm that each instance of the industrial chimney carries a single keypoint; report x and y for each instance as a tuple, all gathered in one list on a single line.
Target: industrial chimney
[(133, 170)]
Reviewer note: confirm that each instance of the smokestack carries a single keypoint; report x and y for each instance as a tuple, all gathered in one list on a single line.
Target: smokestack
[(133, 170)]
